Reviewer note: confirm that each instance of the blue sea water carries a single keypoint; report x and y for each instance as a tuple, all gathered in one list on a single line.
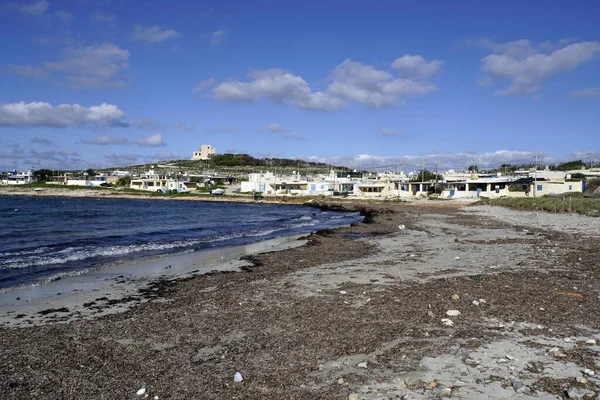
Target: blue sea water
[(45, 237)]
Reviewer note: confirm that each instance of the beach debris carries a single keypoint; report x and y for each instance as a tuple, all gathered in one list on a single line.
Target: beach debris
[(475, 277), (340, 381), (589, 372), (402, 227), (453, 313), (509, 357), (568, 294), (343, 292), (567, 339), (482, 301), (590, 341), (581, 379), (362, 364), (141, 391), (455, 297), (447, 322), (476, 302), (457, 258), (238, 377)]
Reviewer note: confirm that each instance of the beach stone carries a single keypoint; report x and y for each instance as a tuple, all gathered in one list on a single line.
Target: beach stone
[(475, 302), (353, 396), (362, 364), (455, 297), (578, 393), (340, 381), (589, 372), (453, 313), (343, 292), (238, 377), (141, 391), (591, 341), (447, 322)]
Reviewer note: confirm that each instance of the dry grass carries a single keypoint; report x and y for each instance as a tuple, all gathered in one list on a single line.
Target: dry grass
[(584, 206)]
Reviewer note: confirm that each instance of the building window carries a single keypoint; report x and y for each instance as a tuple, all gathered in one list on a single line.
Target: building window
[(539, 187)]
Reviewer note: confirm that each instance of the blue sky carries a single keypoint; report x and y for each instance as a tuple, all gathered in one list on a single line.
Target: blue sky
[(116, 82)]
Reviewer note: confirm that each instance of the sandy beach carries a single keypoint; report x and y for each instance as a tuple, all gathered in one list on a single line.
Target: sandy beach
[(469, 302)]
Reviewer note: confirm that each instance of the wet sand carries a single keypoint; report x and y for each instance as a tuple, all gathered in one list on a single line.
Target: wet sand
[(358, 312)]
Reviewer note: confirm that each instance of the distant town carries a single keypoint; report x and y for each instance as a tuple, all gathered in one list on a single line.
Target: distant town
[(201, 176)]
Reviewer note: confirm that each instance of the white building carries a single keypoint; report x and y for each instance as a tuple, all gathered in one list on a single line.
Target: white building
[(18, 178), (205, 153)]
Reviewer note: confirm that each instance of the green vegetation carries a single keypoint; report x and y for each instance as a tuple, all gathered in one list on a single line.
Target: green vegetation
[(581, 205), (426, 176)]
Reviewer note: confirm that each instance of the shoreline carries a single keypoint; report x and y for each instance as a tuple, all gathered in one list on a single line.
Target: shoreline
[(356, 312), (117, 288)]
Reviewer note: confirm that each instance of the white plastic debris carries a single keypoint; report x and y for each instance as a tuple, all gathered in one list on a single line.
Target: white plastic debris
[(457, 258), (591, 341), (475, 302), (447, 322), (343, 292), (453, 313), (589, 372), (362, 364), (567, 339), (141, 391), (238, 377), (581, 379), (509, 357), (482, 301)]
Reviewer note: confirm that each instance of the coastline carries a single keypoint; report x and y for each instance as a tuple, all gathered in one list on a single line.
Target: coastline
[(354, 313)]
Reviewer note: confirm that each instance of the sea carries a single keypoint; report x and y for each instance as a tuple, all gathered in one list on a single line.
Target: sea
[(45, 238)]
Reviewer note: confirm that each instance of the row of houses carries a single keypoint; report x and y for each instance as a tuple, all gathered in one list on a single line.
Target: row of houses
[(351, 183), (390, 185)]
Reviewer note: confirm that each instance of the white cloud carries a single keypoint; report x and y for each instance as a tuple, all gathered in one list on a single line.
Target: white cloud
[(44, 141), (391, 132), (587, 92), (415, 67), (104, 140), (203, 85), (457, 161), (373, 88), (146, 123), (275, 128), (218, 37), (93, 66), (64, 17), (154, 140), (103, 17), (351, 82), (183, 125), (35, 8), (67, 153), (527, 67), (28, 71), (44, 114), (153, 34)]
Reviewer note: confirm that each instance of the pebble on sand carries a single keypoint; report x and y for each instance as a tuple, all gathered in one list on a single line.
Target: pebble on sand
[(447, 322), (238, 377), (141, 391), (453, 313)]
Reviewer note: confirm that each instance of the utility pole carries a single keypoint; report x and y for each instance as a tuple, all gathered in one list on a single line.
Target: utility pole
[(535, 173)]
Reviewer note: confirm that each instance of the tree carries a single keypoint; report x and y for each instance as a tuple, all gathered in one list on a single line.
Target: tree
[(425, 176), (576, 164), (472, 168), (124, 181), (90, 172), (43, 175)]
